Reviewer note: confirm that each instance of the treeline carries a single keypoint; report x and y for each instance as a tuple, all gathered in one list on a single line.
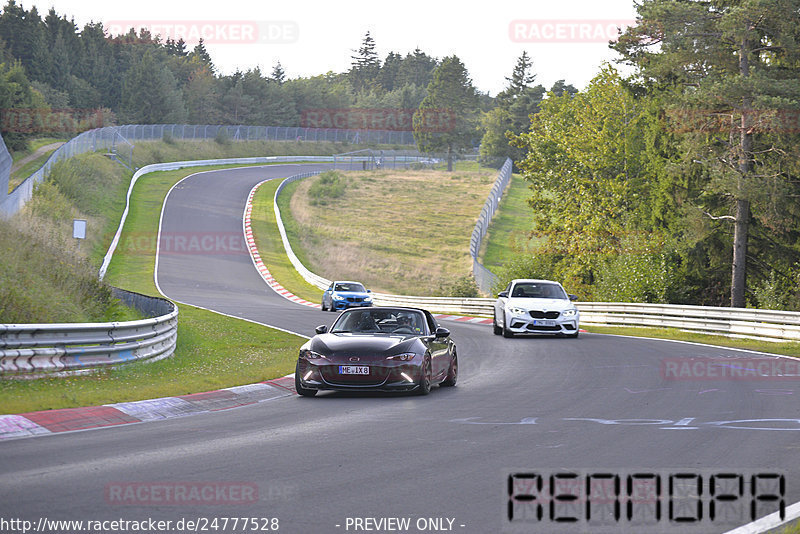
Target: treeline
[(680, 183), (49, 62)]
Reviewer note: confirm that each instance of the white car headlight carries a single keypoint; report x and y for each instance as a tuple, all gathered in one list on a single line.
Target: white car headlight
[(367, 299), (517, 311), (338, 297), (569, 313)]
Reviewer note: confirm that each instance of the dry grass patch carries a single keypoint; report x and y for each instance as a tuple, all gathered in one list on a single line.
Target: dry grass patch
[(402, 232)]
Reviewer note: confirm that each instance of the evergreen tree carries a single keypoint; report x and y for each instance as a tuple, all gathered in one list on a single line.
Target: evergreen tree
[(416, 68), (736, 59), (202, 55), (446, 118), (389, 72), (150, 94), (365, 66), (511, 116), (278, 74)]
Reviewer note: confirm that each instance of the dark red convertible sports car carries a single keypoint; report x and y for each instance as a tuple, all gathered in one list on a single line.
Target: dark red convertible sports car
[(386, 349)]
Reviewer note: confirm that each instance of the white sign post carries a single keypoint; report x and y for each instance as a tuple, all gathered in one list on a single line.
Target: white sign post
[(79, 230)]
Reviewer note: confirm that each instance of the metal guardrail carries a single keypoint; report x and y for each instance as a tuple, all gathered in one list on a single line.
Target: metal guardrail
[(75, 348), (484, 278), (771, 325)]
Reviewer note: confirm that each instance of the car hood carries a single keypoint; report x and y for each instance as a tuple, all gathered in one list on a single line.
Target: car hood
[(361, 344), (351, 293), (540, 304)]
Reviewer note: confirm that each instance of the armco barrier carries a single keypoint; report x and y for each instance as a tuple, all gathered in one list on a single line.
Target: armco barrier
[(70, 348), (735, 322)]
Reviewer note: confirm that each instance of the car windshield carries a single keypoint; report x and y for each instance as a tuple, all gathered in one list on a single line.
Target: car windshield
[(350, 286), (538, 290), (380, 321)]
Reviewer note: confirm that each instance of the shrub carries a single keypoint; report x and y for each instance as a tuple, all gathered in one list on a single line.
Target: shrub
[(330, 184), (462, 287), (222, 137)]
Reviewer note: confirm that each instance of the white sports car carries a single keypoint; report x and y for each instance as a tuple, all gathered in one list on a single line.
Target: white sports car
[(535, 307)]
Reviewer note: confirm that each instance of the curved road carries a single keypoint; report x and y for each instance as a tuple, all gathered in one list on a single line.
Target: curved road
[(525, 404)]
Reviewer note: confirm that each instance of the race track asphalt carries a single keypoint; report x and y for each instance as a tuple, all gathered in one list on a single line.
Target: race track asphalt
[(522, 404)]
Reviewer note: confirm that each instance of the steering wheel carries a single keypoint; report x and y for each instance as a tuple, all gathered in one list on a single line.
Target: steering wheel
[(403, 330)]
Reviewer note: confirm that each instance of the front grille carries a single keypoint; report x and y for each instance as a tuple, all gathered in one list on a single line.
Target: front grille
[(354, 299), (544, 328), (536, 314), (376, 376)]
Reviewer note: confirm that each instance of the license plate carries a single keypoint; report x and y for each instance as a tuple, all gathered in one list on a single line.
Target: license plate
[(353, 370), (544, 323)]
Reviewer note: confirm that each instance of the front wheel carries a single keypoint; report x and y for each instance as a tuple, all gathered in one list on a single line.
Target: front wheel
[(495, 327), (452, 375), (425, 380), (305, 392), (323, 305)]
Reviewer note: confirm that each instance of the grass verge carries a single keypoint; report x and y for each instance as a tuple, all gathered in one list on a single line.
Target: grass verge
[(397, 231), (508, 231), (214, 351), (18, 176), (786, 349), (270, 246)]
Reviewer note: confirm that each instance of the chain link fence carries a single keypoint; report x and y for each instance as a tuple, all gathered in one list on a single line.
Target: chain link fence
[(118, 142), (484, 278)]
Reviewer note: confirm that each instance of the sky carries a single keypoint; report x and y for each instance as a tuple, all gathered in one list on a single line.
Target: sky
[(567, 39)]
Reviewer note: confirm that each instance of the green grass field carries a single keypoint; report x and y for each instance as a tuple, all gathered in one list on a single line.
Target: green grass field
[(404, 232), (270, 246), (509, 229)]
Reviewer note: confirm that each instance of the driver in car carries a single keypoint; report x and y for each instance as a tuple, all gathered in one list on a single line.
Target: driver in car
[(406, 321)]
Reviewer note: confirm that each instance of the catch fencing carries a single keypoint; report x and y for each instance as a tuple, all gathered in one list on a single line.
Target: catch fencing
[(484, 278), (75, 348), (118, 142)]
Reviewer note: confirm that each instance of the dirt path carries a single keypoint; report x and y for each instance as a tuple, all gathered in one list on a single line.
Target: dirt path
[(35, 154)]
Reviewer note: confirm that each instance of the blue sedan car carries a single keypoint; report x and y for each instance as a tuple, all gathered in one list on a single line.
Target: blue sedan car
[(342, 295)]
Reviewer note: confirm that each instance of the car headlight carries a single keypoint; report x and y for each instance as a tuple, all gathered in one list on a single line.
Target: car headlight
[(569, 313), (338, 297), (367, 299), (517, 311), (311, 355), (402, 357)]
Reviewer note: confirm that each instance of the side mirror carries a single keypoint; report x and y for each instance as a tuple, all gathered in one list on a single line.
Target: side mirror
[(572, 297), (502, 294), (369, 291), (442, 332), (321, 329)]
